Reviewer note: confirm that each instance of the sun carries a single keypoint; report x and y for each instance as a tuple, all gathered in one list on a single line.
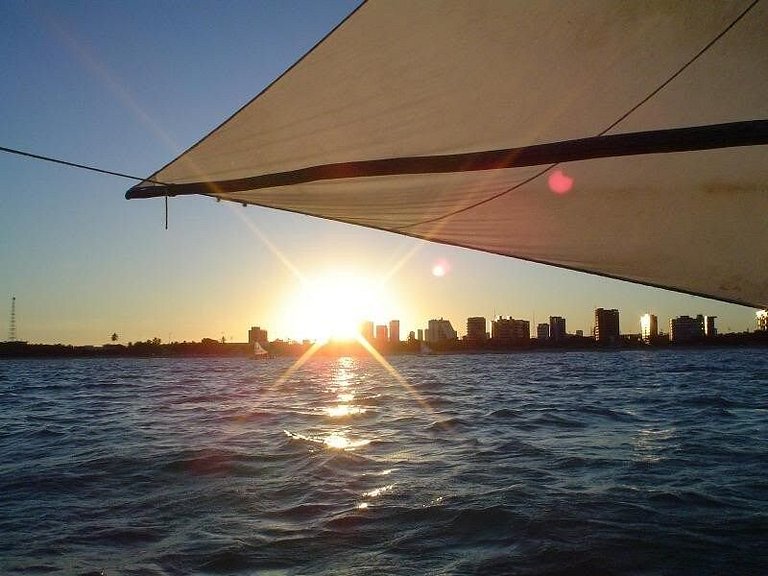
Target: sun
[(333, 306)]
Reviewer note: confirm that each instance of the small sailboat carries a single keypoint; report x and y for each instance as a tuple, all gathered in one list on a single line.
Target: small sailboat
[(259, 353)]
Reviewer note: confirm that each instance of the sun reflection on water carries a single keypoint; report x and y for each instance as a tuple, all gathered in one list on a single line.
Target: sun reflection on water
[(343, 410), (344, 371), (650, 444), (337, 441), (378, 491), (375, 493), (340, 442), (334, 440)]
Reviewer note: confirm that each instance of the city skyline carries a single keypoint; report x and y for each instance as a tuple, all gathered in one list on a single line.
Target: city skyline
[(646, 324), (479, 328), (83, 263)]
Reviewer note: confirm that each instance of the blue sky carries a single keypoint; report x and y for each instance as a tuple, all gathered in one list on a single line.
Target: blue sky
[(127, 86)]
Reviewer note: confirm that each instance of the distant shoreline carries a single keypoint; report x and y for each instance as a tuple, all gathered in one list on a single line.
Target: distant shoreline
[(211, 348)]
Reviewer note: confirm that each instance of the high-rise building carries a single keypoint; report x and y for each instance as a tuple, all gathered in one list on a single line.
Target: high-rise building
[(501, 328), (507, 329), (606, 325), (420, 335), (557, 328), (381, 333), (257, 335), (476, 329), (542, 331), (709, 326), (394, 330), (521, 330), (649, 327), (686, 329), (440, 330), (366, 330), (761, 319)]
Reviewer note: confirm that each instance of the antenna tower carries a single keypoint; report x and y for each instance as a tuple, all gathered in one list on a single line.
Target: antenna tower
[(12, 329)]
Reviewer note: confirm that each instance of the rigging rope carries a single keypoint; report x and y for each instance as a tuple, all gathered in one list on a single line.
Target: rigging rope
[(89, 168), (75, 165)]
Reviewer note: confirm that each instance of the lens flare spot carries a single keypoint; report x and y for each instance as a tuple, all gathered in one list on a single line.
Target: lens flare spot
[(440, 268), (559, 182)]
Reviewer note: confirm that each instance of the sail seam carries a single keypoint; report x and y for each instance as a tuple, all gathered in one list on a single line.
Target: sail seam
[(747, 133)]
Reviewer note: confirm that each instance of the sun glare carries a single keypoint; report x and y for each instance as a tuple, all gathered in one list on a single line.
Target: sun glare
[(333, 306)]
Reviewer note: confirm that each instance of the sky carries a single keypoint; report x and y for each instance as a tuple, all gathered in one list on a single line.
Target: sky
[(128, 86)]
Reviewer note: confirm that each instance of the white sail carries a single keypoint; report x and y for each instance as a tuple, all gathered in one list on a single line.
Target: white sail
[(626, 139)]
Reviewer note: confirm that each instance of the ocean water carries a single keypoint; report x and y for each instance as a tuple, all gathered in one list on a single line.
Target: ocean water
[(621, 462)]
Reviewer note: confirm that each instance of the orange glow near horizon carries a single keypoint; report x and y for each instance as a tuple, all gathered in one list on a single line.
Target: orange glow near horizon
[(333, 305), (326, 301)]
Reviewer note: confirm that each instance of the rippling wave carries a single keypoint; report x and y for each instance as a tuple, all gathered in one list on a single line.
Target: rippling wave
[(626, 462)]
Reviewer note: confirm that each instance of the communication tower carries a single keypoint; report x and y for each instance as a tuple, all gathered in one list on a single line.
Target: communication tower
[(12, 329)]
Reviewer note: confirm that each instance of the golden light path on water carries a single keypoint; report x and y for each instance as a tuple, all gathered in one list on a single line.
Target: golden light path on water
[(336, 440), (344, 409)]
